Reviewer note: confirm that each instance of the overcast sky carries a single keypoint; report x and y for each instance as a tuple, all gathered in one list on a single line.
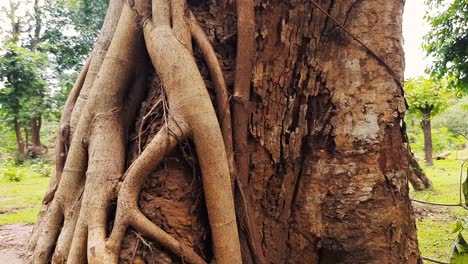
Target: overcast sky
[(414, 28)]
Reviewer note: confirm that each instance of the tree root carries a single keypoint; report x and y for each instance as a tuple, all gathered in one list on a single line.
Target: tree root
[(222, 97), (183, 84), (74, 228), (127, 208)]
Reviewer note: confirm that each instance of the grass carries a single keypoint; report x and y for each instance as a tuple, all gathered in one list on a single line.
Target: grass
[(20, 201), (436, 224)]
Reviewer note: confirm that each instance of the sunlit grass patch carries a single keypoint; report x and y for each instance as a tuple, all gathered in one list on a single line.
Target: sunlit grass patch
[(20, 201)]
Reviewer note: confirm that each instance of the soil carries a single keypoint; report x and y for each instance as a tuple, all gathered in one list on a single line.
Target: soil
[(432, 213), (13, 241)]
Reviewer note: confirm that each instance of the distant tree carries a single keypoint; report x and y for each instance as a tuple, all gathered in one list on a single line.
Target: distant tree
[(64, 32), (447, 41), (21, 98), (426, 98)]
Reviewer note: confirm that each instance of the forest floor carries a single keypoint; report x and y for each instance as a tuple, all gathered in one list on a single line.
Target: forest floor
[(20, 202)]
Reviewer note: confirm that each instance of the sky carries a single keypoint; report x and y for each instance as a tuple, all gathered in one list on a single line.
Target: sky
[(414, 29)]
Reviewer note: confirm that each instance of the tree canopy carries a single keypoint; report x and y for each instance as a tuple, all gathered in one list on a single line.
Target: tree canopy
[(447, 41), (24, 86), (424, 94)]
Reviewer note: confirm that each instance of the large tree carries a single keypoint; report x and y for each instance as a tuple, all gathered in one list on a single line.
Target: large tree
[(304, 163)]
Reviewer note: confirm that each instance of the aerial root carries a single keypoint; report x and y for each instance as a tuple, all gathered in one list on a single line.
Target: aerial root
[(49, 233), (222, 96), (128, 213), (71, 225)]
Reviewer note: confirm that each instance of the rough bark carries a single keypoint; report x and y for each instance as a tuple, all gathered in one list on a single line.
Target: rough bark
[(426, 127), (417, 177), (321, 167)]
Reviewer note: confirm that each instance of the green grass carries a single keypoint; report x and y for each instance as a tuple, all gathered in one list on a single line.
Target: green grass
[(434, 230), (20, 201)]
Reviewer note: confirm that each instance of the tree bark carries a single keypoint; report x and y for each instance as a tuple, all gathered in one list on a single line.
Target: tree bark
[(426, 127), (417, 177), (35, 124), (322, 169), (20, 142)]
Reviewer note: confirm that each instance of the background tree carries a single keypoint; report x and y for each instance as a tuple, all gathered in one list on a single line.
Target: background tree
[(427, 98), (21, 98), (320, 171), (59, 32), (447, 40)]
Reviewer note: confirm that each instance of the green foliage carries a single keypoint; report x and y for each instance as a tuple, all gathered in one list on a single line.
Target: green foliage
[(455, 118), (24, 87), (21, 201), (41, 167), (447, 41), (8, 141), (442, 139), (426, 95), (11, 172), (460, 246), (82, 19)]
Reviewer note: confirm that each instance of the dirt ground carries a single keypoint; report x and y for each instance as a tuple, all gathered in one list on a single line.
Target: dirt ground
[(432, 213), (13, 240)]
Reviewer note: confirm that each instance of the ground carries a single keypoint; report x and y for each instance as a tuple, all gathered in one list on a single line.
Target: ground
[(13, 240), (435, 223), (20, 201)]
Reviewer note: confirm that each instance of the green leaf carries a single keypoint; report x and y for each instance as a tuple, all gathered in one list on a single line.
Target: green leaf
[(458, 227)]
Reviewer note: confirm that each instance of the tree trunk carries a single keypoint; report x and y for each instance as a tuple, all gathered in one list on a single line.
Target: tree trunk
[(37, 147), (36, 132), (320, 172), (20, 142), (417, 177), (426, 127), (26, 139)]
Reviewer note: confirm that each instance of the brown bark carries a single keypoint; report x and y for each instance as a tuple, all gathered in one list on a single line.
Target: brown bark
[(426, 127), (19, 141), (35, 124), (417, 177), (26, 139), (322, 168)]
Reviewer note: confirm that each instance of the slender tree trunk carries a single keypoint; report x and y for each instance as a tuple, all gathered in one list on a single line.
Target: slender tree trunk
[(426, 127), (321, 170), (20, 142), (35, 124), (26, 139)]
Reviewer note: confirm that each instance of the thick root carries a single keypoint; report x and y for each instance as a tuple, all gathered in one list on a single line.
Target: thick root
[(183, 84), (127, 209), (99, 52), (222, 96), (92, 152), (74, 227)]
